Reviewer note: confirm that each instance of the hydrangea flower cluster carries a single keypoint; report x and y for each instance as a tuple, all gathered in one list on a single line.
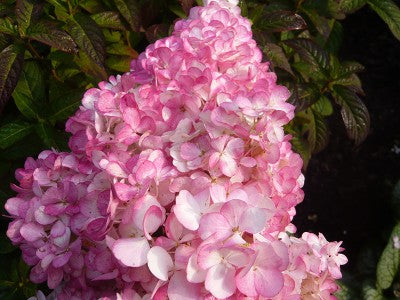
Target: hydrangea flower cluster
[(180, 184)]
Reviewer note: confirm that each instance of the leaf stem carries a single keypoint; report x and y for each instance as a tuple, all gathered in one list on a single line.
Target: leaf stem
[(33, 51)]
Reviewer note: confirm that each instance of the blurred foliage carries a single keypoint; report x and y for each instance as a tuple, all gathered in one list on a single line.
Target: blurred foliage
[(379, 270), (52, 51)]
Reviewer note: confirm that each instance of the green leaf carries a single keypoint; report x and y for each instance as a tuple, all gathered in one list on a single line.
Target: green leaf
[(344, 292), (310, 52), (344, 74), (319, 23), (129, 9), (51, 137), (349, 67), (277, 56), (318, 135), (13, 132), (60, 9), (302, 148), (7, 26), (304, 95), (23, 13), (323, 106), (46, 134), (352, 81), (119, 63), (88, 36), (5, 244), (389, 262), (177, 10), (63, 102), (279, 21), (350, 6), (121, 49), (30, 90), (48, 33), (335, 38), (108, 19), (28, 146), (371, 293), (11, 61), (112, 36), (92, 6), (88, 66), (354, 113), (389, 12)]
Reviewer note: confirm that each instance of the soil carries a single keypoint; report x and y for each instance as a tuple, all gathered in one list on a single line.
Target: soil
[(348, 188)]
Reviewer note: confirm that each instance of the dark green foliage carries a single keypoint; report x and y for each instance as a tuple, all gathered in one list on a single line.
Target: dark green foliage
[(52, 51)]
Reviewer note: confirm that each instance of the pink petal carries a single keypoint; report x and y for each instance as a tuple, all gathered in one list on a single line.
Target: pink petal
[(180, 289), (253, 220), (63, 240), (131, 252), (12, 205), (124, 191), (220, 281), (145, 170), (218, 193), (235, 148), (189, 151), (152, 220), (213, 160), (245, 283), (131, 116), (32, 232), (214, 224), (227, 165), (194, 273), (173, 228), (42, 218), (248, 162), (62, 259), (159, 262), (58, 229), (233, 210), (187, 210), (268, 282), (54, 277), (116, 170)]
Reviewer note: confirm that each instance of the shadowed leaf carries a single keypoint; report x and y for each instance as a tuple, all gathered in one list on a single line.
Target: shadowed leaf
[(129, 9), (277, 56), (48, 33), (7, 26), (119, 63), (281, 21), (350, 6), (88, 36), (63, 102), (11, 61), (108, 19), (389, 12), (354, 113), (30, 91), (389, 262), (13, 132), (310, 52), (318, 135)]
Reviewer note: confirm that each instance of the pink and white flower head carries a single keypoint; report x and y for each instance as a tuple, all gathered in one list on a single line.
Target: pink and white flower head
[(180, 184)]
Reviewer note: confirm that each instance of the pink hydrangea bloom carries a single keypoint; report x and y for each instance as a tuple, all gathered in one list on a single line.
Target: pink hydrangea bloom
[(180, 184)]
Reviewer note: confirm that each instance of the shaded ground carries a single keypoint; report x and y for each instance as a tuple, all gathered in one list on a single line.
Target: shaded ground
[(347, 188)]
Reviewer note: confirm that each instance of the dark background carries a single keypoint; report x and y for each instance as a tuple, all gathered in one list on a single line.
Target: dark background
[(348, 188)]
